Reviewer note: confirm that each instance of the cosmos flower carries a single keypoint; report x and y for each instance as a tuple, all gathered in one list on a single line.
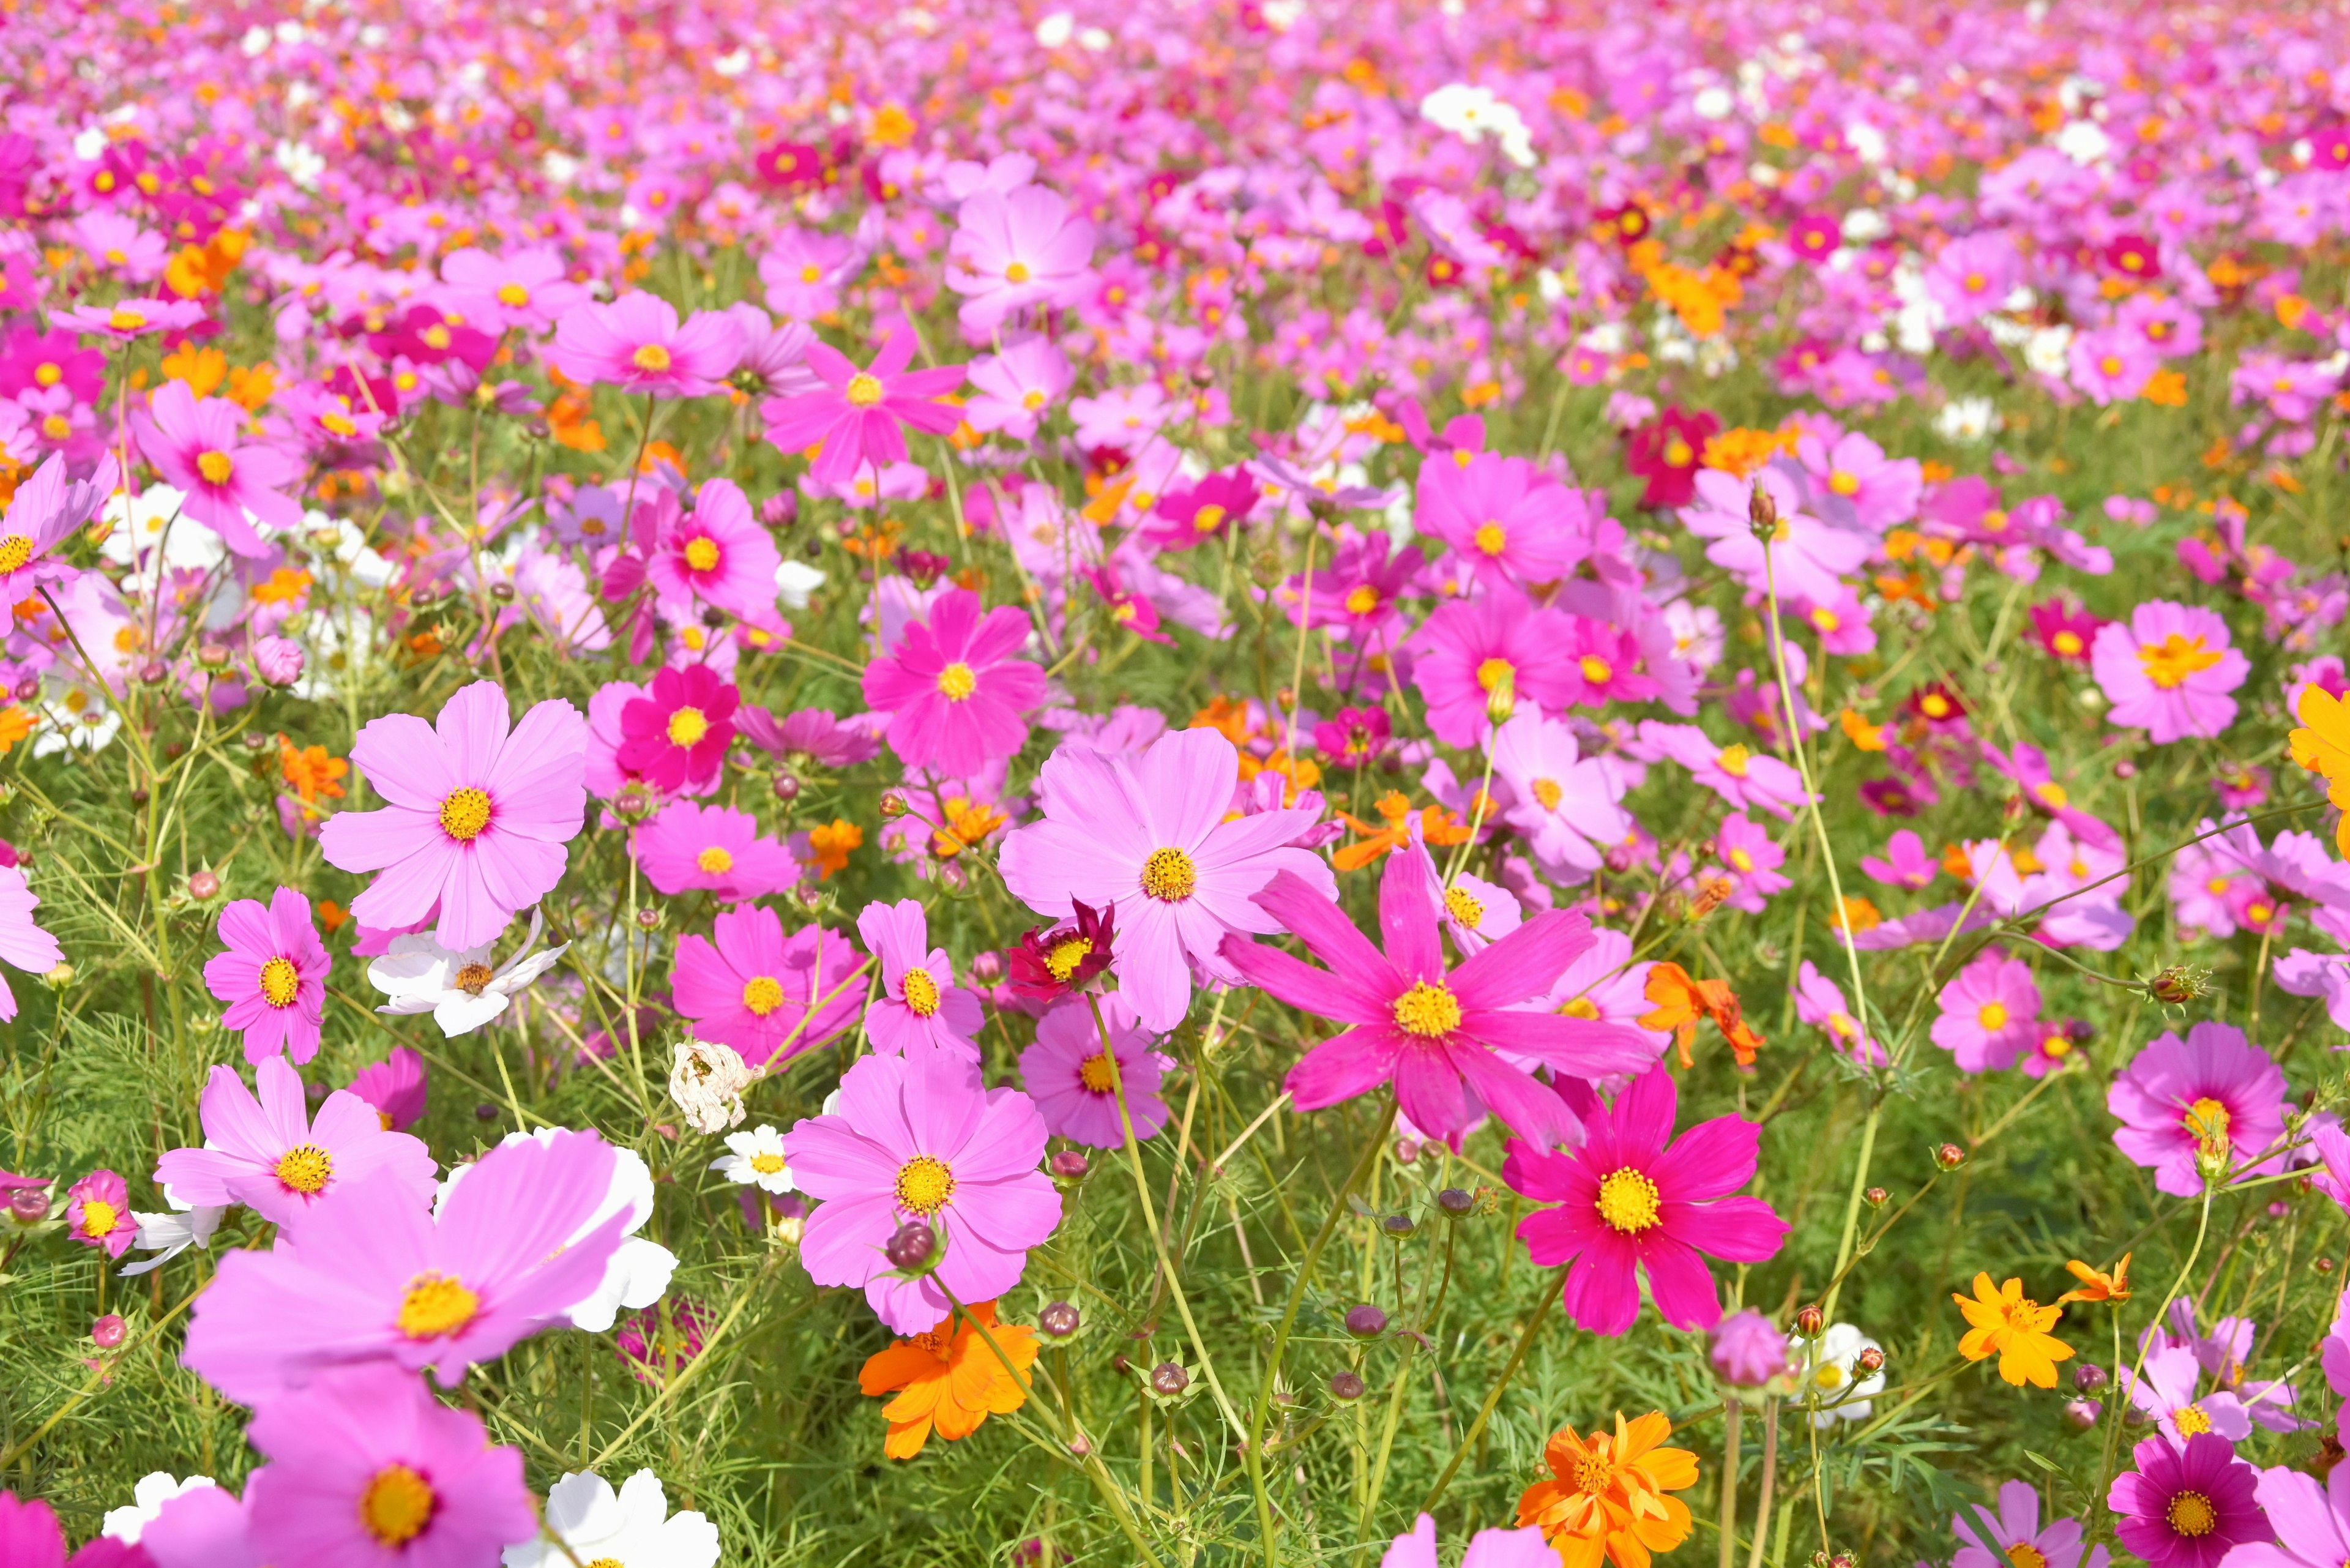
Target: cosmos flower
[(22, 943), (1016, 249), (458, 987), (1989, 1014), (747, 986), (716, 849), (675, 736), (950, 1379), (1473, 655), (272, 976), (2168, 670), (1416, 1548), (593, 1524), (2002, 1321), (228, 479), (1610, 1494), (637, 344), (46, 511), (2187, 1506), (755, 1159), (396, 1086), (2016, 1536), (855, 417), (97, 1213), (2214, 1092), (920, 999), (1068, 1075), (953, 688), (1503, 516), (268, 1150)]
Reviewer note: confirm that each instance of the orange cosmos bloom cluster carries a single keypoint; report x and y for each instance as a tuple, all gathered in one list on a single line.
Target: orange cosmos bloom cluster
[(1608, 1495)]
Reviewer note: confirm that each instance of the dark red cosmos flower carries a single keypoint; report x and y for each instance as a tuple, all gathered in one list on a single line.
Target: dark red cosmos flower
[(1628, 225), (790, 166), (2134, 256), (1051, 961), (1889, 797), (1939, 705), (1665, 452)]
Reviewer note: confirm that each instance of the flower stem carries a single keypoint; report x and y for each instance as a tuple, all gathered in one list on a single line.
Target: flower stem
[(1553, 1283), (1732, 1412), (1770, 1478)]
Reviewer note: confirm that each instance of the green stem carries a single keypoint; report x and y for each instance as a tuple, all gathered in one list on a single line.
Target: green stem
[(1552, 1284)]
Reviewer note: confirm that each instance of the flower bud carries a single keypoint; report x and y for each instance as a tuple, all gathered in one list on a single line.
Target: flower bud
[(109, 1331), (1502, 697), (27, 689), (154, 672), (486, 1112), (2082, 1415), (2323, 1265), (1746, 1350), (1169, 1379), (1407, 1150), (1870, 1360), (1079, 1446), (1059, 1320), (893, 807), (277, 661), (1810, 1321), (910, 1245), (649, 917), (1069, 1164), (2177, 984), (502, 591), (28, 1205), (1347, 1385), (1456, 1202), (787, 788), (633, 800), (779, 510), (58, 976), (1398, 1225), (2088, 1377), (212, 656), (2124, 770), (203, 884), (1950, 1157), (1875, 1196), (1763, 513), (1365, 1322), (256, 741)]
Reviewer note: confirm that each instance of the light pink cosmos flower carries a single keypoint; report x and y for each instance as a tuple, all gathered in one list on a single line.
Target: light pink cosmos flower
[(713, 849), (475, 815), (1746, 779), (806, 269), (1015, 249), (1904, 864), (1496, 1548), (855, 416), (1018, 387), (920, 999), (272, 975), (529, 287), (1973, 275), (1989, 1014), (2214, 1089), (1806, 558), (2166, 1391), (201, 448), (1147, 833), (47, 510), (1819, 1002), (2015, 1532), (637, 344), (1855, 472), (1503, 515), (953, 687), (128, 318), (1563, 802), (2112, 365), (761, 994), (1753, 860), (268, 1153), (22, 943), (1069, 1079), (2168, 670)]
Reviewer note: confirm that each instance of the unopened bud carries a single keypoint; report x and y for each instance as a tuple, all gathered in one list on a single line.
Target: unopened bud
[(1398, 1225), (2082, 1415), (1347, 1385), (277, 661), (2323, 1265), (1069, 1164), (893, 807), (1456, 1201), (1502, 697), (1169, 1379), (1365, 1322), (1059, 1320), (787, 788), (1809, 1321), (2124, 770), (2088, 1377), (910, 1245), (1870, 1361), (633, 800), (649, 917), (211, 656), (1875, 1196), (1950, 1157), (2178, 984), (987, 968), (109, 1331), (1763, 513), (28, 1205), (203, 884)]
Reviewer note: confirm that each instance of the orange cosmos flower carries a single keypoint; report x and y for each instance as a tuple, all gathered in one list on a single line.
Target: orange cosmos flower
[(311, 774), (2322, 746), (1608, 1495), (1437, 827), (2097, 1285), (2006, 1323), (1683, 1002), (949, 1382)]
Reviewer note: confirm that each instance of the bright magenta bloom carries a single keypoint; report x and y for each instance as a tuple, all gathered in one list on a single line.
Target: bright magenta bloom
[(268, 1151), (476, 817), (712, 848), (636, 344), (396, 1086), (1469, 648), (717, 553), (760, 993), (1503, 515), (1438, 1036), (272, 975), (201, 448), (1067, 1076), (98, 1212), (855, 416), (22, 943), (1631, 1196), (953, 689), (2213, 1089), (46, 510), (2186, 1507), (2168, 670), (675, 736), (920, 999)]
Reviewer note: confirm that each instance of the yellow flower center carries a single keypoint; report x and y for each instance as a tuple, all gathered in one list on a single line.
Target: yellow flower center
[(125, 320), (1016, 273), (1732, 760), (280, 983), (397, 1505), (956, 682), (99, 1217), (763, 994), (1208, 518), (473, 979), (651, 357), (865, 389), (921, 993), (2068, 643), (304, 1168), (1169, 876), (1547, 794), (1097, 1074), (464, 813), (702, 553), (1495, 671), (1493, 538), (2206, 1123), (687, 726), (1594, 1475), (1679, 453), (2190, 1421), (1464, 906), (714, 861), (1362, 600), (1596, 670), (2169, 662), (1843, 484), (1032, 400), (15, 549), (1430, 1012), (436, 1305), (512, 295), (215, 466), (2191, 1514), (1581, 1007), (924, 1185), (1993, 1015), (47, 374), (1741, 860), (2023, 1554), (57, 427), (766, 1164), (1067, 955), (1630, 1203)]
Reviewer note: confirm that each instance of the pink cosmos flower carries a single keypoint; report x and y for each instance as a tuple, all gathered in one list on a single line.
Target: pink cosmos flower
[(1807, 559), (2186, 1507), (855, 416), (953, 687), (201, 448), (806, 269), (917, 1137), (475, 815), (637, 344), (1904, 864), (1359, 592), (272, 976), (2168, 670), (1495, 1548), (1068, 1077), (268, 1153), (1505, 517), (396, 1086), (1631, 1196), (2214, 1089), (1853, 474), (1989, 1014), (1753, 861), (2111, 365), (47, 510), (1442, 1039), (2017, 1524), (1015, 249), (22, 943), (675, 736), (1974, 275), (367, 1272), (2166, 1391), (1820, 1003), (1194, 514), (128, 318), (529, 287), (760, 993), (920, 999), (1469, 649), (2311, 1519), (1603, 984), (369, 1471), (30, 1537), (712, 848), (1147, 833), (809, 736), (1563, 802), (1746, 779), (717, 553), (97, 1213), (1017, 386)]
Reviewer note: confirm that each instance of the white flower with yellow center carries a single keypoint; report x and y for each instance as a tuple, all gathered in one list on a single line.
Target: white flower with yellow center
[(1827, 1372), (634, 1529), (756, 1160), (457, 987)]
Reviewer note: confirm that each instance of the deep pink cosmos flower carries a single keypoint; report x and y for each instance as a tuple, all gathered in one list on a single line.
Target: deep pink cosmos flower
[(855, 416), (1146, 835), (272, 975), (920, 1001), (1469, 651), (22, 943), (1753, 860), (30, 1537), (1187, 516), (396, 1086), (675, 736), (712, 848), (1015, 249), (267, 1152), (809, 736), (1360, 591), (2017, 1524), (475, 815), (2215, 1090), (1440, 1038), (1503, 515), (2186, 1507), (716, 553), (1666, 452), (953, 689), (201, 448), (1068, 1077), (2168, 670), (369, 1274), (637, 344), (1633, 1197), (97, 1213), (46, 510), (369, 1471), (917, 1137), (762, 995), (1989, 1014)]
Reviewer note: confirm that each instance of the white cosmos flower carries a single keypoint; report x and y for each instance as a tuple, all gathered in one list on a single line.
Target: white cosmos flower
[(639, 1271), (147, 1499), (1828, 1366), (1474, 113), (459, 988), (757, 1159), (634, 1528), (169, 1235)]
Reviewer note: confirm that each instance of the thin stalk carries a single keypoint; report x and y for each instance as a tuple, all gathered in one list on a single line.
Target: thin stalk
[(1732, 1412), (1553, 1283), (1770, 1478)]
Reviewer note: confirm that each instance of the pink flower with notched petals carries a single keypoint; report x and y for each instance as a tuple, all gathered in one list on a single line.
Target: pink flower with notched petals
[(953, 687), (475, 815), (47, 510), (2214, 1090), (97, 1213), (746, 986), (2151, 1503), (2310, 1517), (1880, 489), (637, 344), (919, 1001), (1632, 1197), (201, 448), (22, 943), (272, 976), (1503, 515), (855, 416), (1015, 249), (1018, 387), (2168, 670), (713, 849), (397, 1087), (1744, 778), (1563, 802), (1444, 1039), (675, 736), (529, 288), (1753, 861), (717, 553), (1068, 1077), (1819, 1002), (1989, 1014), (1804, 558), (128, 318), (2017, 1525), (267, 1152), (2112, 365), (1904, 864), (1469, 647)]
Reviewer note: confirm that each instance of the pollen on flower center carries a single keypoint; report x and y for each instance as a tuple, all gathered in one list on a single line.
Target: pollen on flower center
[(280, 983), (2206, 1123), (1547, 794), (1066, 955), (1596, 670), (701, 553), (1427, 1010), (1493, 538), (921, 993), (1208, 518), (1096, 1072), (714, 861), (1362, 600), (650, 357), (512, 295), (1581, 1007), (687, 726), (305, 1168), (1993, 1015), (1630, 1203), (1169, 875), (1843, 484), (1594, 1475), (864, 389), (1016, 273), (99, 1217), (2190, 1421), (924, 1185), (957, 683), (766, 1164), (215, 466), (1493, 672), (397, 1505), (464, 813), (2023, 1554), (1732, 760), (15, 549), (125, 320), (473, 978), (1464, 906), (2191, 1514), (436, 1305), (2169, 662), (763, 994)]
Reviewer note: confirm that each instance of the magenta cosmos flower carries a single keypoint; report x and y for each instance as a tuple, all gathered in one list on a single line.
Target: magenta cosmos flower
[(762, 995), (1632, 1196), (2186, 1507), (855, 416), (2311, 1519), (97, 1213), (1989, 1014), (2016, 1536), (1439, 1037), (1068, 1075), (917, 1137), (1470, 649), (368, 1273), (675, 736), (920, 1001), (1503, 515), (22, 943), (369, 1471), (1013, 249), (2214, 1088), (713, 849), (1148, 835), (272, 975), (953, 689), (397, 1087), (47, 510), (268, 1153), (2168, 670), (30, 1537), (717, 553), (475, 815), (637, 344), (199, 447)]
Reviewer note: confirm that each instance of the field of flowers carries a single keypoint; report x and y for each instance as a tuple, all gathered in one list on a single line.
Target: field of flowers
[(1176, 782)]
